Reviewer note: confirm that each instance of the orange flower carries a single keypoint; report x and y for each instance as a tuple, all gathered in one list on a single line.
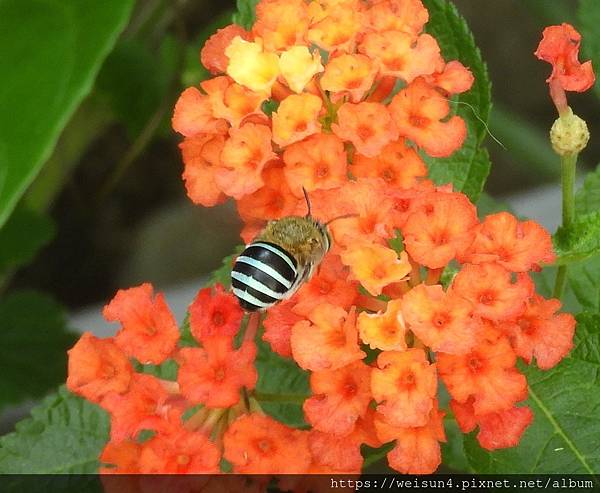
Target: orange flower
[(120, 458), (490, 289), (274, 200), (193, 115), (327, 341), (440, 229), (214, 314), (281, 23), (376, 266), (334, 454), (542, 333), (517, 245), (560, 47), (214, 374), (417, 449), (401, 55), (257, 444), (243, 158), (179, 452), (201, 156), (296, 118), (487, 374), (368, 126), (397, 164), (298, 66), (496, 430), (349, 74), (385, 331), (250, 66), (97, 367), (318, 162), (329, 285), (443, 321), (213, 55), (455, 78), (405, 385), (149, 331), (418, 111), (370, 209), (231, 101), (408, 16), (278, 327), (339, 398), (336, 28), (142, 407)]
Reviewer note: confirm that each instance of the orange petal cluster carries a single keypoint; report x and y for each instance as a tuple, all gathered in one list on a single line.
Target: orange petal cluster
[(341, 99)]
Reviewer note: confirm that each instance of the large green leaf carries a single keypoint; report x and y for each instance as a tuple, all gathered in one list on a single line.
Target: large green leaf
[(50, 54), (589, 19), (22, 237), (587, 199), (245, 14), (33, 345), (565, 434), (579, 240), (584, 280), (65, 434), (468, 167), (282, 386)]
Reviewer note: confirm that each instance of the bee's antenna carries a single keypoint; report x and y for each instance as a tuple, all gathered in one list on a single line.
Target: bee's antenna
[(345, 216), (307, 201)]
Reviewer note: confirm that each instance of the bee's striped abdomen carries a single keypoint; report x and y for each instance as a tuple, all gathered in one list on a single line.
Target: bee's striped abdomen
[(262, 275)]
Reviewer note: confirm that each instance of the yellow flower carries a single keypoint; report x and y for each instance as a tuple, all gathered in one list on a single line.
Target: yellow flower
[(250, 66), (298, 66)]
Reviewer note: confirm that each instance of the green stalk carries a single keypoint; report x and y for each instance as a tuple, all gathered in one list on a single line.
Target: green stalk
[(568, 166)]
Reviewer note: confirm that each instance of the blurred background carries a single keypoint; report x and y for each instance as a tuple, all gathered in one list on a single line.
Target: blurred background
[(109, 209)]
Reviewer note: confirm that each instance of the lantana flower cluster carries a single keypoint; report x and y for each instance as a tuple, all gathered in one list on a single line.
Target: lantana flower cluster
[(341, 98)]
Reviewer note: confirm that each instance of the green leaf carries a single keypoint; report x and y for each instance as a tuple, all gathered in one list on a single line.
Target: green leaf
[(587, 199), (565, 433), (165, 371), (468, 167), (453, 453), (50, 54), (282, 386), (33, 345), (246, 13), (589, 19), (579, 240), (25, 233), (65, 434), (584, 280)]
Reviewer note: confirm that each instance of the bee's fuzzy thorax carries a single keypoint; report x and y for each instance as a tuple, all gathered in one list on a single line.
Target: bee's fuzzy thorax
[(303, 237)]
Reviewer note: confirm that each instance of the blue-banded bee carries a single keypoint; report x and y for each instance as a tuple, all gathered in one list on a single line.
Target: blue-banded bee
[(276, 263)]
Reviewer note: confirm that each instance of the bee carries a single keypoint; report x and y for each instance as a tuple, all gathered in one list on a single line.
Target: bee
[(276, 263)]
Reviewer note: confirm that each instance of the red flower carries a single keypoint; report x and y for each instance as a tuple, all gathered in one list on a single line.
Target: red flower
[(214, 313), (560, 47), (257, 444), (149, 331), (97, 367)]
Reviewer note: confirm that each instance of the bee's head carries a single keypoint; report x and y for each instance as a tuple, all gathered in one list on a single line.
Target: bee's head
[(320, 240)]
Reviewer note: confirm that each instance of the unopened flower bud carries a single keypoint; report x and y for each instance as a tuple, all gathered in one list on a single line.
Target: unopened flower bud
[(569, 134)]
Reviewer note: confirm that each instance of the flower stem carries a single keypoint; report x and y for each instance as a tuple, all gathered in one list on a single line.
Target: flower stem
[(568, 166)]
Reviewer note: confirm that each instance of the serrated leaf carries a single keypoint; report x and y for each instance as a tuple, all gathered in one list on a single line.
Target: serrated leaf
[(283, 385), (468, 167), (587, 198), (50, 54), (33, 345), (564, 436), (584, 281), (579, 240), (65, 434), (246, 13), (23, 235)]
